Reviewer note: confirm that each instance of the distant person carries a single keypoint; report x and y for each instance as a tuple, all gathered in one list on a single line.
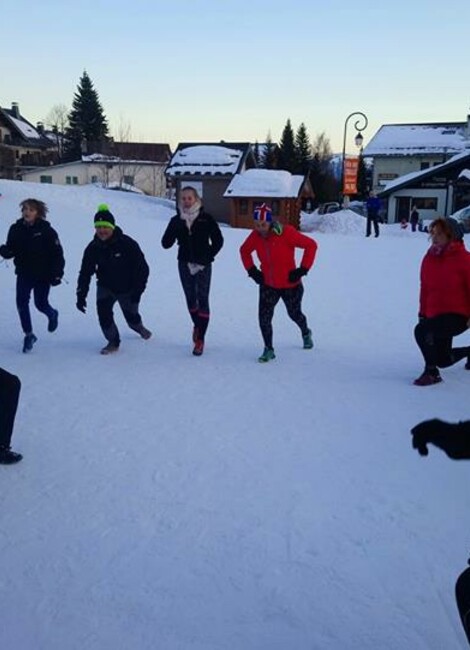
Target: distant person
[(121, 272), (414, 219), (454, 440), (39, 264), (10, 387), (199, 240), (444, 310), (373, 206), (279, 278)]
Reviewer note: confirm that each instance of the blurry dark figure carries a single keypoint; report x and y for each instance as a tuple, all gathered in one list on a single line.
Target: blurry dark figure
[(454, 440)]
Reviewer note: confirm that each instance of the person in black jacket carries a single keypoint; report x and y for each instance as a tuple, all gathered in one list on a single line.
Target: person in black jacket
[(454, 440), (199, 240), (122, 273), (10, 387), (39, 264)]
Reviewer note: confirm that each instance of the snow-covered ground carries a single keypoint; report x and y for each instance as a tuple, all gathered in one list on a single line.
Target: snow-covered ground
[(181, 503)]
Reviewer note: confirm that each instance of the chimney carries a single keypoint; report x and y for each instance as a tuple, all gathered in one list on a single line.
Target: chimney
[(15, 109), (40, 128)]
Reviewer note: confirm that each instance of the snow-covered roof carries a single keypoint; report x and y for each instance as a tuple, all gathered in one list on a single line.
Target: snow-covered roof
[(206, 159), (102, 158), (465, 173), (26, 129), (418, 139), (265, 183), (412, 176)]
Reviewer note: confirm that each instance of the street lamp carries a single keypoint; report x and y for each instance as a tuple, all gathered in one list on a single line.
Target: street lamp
[(358, 139)]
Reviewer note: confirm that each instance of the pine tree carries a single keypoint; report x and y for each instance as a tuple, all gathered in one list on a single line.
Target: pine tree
[(303, 150), (87, 121), (257, 154), (362, 178), (287, 158), (269, 155)]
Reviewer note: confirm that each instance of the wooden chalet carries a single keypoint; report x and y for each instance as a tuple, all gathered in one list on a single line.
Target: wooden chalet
[(286, 194)]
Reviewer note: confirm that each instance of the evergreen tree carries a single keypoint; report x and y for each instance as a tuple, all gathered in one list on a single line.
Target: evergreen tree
[(362, 178), (287, 157), (257, 154), (324, 183), (87, 121), (303, 150), (269, 155)]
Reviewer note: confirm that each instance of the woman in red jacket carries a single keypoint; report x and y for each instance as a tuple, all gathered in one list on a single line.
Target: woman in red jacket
[(444, 302), (278, 278)]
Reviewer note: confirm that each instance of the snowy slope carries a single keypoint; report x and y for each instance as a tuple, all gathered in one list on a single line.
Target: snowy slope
[(182, 503)]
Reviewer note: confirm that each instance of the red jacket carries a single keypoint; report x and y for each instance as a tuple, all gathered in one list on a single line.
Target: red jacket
[(445, 282), (276, 252)]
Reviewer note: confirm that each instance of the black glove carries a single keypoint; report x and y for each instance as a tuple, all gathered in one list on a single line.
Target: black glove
[(256, 275), (5, 252), (296, 274), (135, 297), (55, 282), (81, 303), (453, 439)]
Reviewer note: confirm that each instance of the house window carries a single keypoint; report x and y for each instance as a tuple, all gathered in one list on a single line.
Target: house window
[(275, 208), (45, 179), (424, 165), (243, 206), (425, 203), (68, 180), (128, 180), (75, 180), (94, 179)]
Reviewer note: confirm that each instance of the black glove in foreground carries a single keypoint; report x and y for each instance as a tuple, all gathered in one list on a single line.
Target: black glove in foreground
[(453, 439), (256, 275), (81, 304), (296, 274)]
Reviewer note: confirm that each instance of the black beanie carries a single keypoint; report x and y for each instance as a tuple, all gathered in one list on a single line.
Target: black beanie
[(104, 218)]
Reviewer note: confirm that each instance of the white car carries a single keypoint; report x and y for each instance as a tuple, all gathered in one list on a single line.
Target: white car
[(463, 217)]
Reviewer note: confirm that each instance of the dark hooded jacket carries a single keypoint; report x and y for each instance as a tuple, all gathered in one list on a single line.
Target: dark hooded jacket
[(200, 244), (35, 249), (118, 262)]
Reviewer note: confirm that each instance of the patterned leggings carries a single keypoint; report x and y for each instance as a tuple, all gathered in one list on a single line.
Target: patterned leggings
[(268, 299)]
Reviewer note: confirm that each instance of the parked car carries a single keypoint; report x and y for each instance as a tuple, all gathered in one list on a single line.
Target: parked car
[(463, 217), (327, 208)]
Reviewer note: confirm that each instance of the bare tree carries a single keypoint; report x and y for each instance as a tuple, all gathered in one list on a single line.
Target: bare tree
[(57, 120)]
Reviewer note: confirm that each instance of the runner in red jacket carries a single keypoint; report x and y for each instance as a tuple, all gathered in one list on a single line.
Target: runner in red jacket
[(279, 277), (444, 302)]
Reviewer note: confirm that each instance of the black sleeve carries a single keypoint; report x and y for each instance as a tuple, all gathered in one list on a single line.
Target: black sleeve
[(141, 268), (12, 246), (171, 233), (57, 256), (87, 269), (217, 240)]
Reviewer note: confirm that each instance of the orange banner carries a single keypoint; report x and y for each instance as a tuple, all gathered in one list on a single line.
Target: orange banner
[(351, 165)]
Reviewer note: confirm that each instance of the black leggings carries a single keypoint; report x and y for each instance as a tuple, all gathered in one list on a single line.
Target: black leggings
[(434, 338), (268, 299), (10, 387), (196, 291)]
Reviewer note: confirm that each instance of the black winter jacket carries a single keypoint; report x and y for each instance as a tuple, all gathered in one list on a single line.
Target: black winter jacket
[(35, 249), (201, 244), (118, 262)]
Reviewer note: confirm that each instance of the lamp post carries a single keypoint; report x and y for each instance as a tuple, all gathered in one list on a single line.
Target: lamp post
[(358, 139)]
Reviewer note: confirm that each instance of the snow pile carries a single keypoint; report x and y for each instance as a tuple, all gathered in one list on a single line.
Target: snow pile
[(265, 183), (344, 222)]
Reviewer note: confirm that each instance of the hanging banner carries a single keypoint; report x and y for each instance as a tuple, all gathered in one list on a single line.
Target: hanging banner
[(351, 166)]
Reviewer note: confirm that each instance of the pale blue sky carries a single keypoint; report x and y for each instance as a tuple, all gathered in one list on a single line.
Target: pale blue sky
[(206, 70)]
